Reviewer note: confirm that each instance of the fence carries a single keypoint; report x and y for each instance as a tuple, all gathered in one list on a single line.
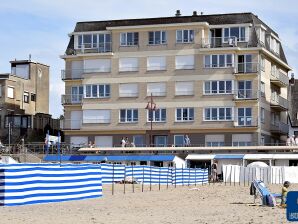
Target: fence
[(23, 184), (153, 175), (269, 175)]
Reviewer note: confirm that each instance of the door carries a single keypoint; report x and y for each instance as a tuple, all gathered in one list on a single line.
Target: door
[(160, 140), (245, 63), (244, 89), (77, 94)]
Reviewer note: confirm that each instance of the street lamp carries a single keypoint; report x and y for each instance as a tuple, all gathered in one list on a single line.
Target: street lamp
[(151, 106)]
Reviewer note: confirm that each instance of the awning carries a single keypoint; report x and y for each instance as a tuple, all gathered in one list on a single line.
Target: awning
[(229, 156), (200, 157), (87, 158), (285, 156), (258, 156)]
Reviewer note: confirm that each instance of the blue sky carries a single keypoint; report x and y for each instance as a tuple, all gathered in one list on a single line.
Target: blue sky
[(40, 27)]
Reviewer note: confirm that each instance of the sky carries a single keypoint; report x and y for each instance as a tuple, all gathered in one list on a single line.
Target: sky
[(41, 27)]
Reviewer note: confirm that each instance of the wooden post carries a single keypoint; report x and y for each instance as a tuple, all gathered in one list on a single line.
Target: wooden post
[(143, 180), (133, 181), (113, 179), (124, 179)]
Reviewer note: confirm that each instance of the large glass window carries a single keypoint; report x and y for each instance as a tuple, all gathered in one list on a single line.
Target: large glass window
[(129, 38), (218, 87), (244, 89), (218, 114), (102, 42), (179, 140), (97, 91), (245, 116), (184, 114), (237, 33), (159, 115), (129, 115), (184, 36), (218, 61), (157, 37)]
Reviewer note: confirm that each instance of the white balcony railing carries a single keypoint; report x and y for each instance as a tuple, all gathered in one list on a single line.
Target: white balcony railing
[(247, 67), (279, 77), (72, 99), (96, 48), (245, 94)]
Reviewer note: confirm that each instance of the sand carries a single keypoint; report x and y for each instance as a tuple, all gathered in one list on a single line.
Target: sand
[(201, 204)]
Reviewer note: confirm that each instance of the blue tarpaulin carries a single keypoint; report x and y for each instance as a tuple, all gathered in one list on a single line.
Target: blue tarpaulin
[(229, 156)]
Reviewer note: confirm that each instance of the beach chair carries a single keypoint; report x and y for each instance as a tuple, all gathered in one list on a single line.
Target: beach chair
[(258, 188)]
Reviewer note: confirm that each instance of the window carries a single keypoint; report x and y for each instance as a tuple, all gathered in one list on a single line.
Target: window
[(97, 65), (18, 121), (244, 89), (77, 94), (219, 61), (185, 61), (33, 97), (184, 88), (179, 140), (242, 139), (262, 63), (157, 37), (262, 115), (129, 115), (262, 36), (156, 89), (262, 89), (218, 87), (218, 114), (101, 42), (245, 64), (26, 97), (214, 140), (237, 33), (129, 39), (128, 64), (159, 115), (156, 63), (21, 70), (138, 140), (10, 92), (97, 91), (245, 116), (128, 90), (184, 114), (96, 116), (184, 36)]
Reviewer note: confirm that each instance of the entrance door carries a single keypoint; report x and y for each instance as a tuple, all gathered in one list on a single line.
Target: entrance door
[(216, 37), (160, 140), (245, 63), (77, 94)]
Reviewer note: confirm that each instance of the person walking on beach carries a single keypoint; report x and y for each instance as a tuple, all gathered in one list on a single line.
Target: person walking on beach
[(214, 171), (186, 141), (284, 192)]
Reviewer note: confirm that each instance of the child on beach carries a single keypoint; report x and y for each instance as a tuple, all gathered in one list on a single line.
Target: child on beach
[(284, 192)]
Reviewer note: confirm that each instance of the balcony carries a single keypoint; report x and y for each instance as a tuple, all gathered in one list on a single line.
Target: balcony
[(97, 48), (247, 68), (279, 78), (76, 74), (279, 128), (71, 99), (245, 95), (247, 121), (279, 103), (218, 42)]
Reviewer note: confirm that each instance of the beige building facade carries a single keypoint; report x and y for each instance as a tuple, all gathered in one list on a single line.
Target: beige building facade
[(220, 79)]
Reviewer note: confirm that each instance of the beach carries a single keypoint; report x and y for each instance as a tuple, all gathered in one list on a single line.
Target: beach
[(184, 204)]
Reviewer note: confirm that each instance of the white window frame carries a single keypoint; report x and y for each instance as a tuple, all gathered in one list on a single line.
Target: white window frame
[(125, 44), (160, 118), (240, 39), (189, 39), (218, 109), (217, 140), (180, 136), (8, 93), (226, 92), (212, 65), (26, 95), (105, 95), (161, 32), (245, 117), (188, 118), (133, 119)]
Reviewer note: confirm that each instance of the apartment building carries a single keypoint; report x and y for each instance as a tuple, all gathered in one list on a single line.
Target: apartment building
[(24, 100), (221, 79)]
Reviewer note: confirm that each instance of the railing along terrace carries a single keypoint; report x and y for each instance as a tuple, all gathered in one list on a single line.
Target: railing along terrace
[(97, 48), (245, 121), (72, 98), (245, 94), (280, 127), (247, 67), (217, 42), (278, 75), (278, 100)]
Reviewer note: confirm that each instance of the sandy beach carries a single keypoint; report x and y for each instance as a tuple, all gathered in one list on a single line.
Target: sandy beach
[(189, 204)]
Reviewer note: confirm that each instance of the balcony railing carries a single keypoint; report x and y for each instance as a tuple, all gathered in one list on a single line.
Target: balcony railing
[(217, 42), (97, 48), (245, 94), (279, 78), (72, 99), (246, 121), (247, 67), (280, 127), (278, 101), (78, 73)]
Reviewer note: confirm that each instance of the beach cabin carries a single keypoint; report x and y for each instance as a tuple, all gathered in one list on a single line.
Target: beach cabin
[(150, 160), (272, 159)]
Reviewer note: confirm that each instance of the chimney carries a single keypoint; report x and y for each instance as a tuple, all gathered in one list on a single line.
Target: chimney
[(29, 57), (202, 13), (178, 13), (194, 13)]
